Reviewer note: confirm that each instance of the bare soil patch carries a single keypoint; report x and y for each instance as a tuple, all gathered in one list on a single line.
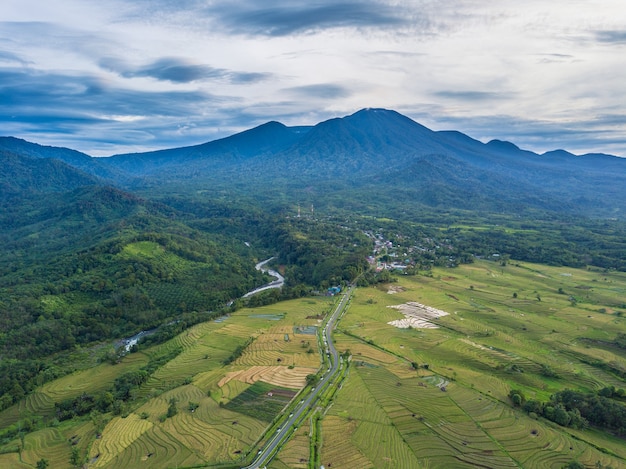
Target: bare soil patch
[(417, 315)]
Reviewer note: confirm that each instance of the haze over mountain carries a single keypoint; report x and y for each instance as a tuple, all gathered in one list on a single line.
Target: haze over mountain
[(374, 153)]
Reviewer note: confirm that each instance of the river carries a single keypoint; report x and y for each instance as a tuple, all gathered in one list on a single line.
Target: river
[(278, 283)]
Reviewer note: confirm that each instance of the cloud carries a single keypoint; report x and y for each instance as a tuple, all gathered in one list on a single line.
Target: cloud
[(89, 108), (611, 37), (286, 17), (88, 94), (9, 57), (153, 73), (72, 41), (556, 58), (539, 135), (178, 70), (319, 91), (171, 69), (470, 95)]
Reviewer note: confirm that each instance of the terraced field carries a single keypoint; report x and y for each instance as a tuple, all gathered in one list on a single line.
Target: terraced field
[(49, 443), (224, 423), (93, 379), (262, 401), (534, 328), (454, 411), (295, 454), (286, 377)]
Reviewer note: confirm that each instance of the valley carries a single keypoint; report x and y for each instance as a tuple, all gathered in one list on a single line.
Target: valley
[(479, 292)]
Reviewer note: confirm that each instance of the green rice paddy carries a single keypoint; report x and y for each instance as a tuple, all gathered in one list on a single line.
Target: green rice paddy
[(506, 326)]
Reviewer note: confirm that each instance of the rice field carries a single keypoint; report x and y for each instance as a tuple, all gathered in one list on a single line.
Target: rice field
[(48, 443), (12, 460), (261, 401), (92, 380), (453, 411), (286, 377), (118, 435), (295, 454), (154, 449), (492, 341), (227, 421)]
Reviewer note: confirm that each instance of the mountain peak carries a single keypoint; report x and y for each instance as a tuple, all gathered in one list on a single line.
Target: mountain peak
[(375, 110), (503, 145), (558, 154)]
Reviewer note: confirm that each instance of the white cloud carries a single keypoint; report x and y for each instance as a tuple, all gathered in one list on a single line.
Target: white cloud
[(534, 72)]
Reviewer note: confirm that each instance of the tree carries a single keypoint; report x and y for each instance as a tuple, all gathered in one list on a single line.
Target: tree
[(575, 465), (75, 457), (42, 464), (192, 406), (311, 379), (517, 397), (172, 410), (533, 406), (561, 416)]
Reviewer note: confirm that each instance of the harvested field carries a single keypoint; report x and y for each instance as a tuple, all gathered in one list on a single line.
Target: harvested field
[(338, 449), (155, 449), (13, 460), (276, 375), (295, 453), (416, 315)]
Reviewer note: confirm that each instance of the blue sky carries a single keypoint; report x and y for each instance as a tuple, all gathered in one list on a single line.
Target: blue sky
[(116, 76)]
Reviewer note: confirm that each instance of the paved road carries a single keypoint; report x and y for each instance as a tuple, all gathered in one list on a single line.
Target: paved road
[(264, 454)]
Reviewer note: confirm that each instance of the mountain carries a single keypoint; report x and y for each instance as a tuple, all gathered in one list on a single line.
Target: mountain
[(260, 141), (96, 249), (74, 158), (379, 153), (382, 153), (22, 174)]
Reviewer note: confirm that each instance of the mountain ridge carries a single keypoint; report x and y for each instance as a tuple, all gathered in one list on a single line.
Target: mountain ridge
[(372, 149)]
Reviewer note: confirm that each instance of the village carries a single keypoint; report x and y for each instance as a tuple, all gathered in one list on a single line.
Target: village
[(403, 254)]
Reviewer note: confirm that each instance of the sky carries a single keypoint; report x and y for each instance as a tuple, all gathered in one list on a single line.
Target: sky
[(117, 76)]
